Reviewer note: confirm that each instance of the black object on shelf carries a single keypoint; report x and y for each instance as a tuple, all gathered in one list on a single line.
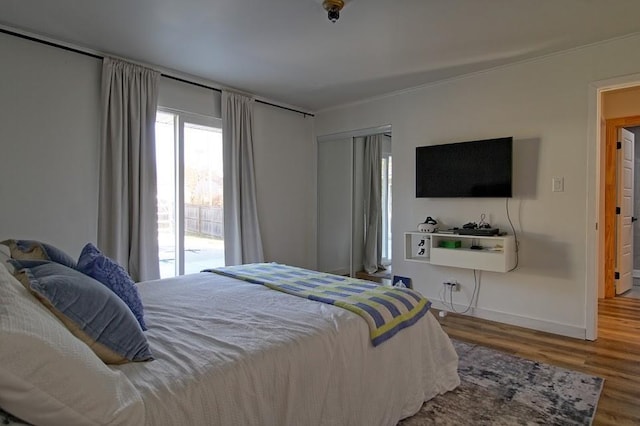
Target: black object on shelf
[(480, 232)]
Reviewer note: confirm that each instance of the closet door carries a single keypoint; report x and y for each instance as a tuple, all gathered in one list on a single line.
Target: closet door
[(357, 209), (335, 195)]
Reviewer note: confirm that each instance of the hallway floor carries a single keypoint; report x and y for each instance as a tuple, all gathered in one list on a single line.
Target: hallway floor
[(634, 293)]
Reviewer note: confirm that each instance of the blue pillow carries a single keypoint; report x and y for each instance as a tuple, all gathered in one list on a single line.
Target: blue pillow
[(99, 267), (91, 311), (36, 250)]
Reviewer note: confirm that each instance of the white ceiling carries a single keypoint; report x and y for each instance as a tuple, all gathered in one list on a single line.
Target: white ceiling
[(288, 52)]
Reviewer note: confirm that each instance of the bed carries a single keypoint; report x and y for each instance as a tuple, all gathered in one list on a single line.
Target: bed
[(225, 352)]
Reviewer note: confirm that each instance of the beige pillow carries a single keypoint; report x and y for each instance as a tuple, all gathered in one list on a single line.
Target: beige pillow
[(37, 250), (47, 376), (5, 254)]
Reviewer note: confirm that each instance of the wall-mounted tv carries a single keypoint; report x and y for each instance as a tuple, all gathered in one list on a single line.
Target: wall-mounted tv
[(465, 169)]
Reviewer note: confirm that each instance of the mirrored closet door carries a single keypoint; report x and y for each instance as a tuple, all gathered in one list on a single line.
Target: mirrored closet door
[(354, 201)]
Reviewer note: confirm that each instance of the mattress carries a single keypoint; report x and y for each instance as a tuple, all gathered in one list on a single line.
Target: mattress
[(229, 352)]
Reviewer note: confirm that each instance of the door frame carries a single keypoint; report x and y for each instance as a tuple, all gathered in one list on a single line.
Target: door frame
[(610, 200), (594, 234)]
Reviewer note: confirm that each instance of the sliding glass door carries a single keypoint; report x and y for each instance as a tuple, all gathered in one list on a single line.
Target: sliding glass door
[(190, 185)]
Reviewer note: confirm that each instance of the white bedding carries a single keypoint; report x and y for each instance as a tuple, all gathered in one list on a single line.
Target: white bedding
[(229, 352)]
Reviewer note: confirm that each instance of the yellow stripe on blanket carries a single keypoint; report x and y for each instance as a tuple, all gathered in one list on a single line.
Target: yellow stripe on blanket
[(386, 310)]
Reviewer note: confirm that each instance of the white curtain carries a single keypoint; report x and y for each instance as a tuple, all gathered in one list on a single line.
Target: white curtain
[(372, 203), (242, 240), (127, 216)]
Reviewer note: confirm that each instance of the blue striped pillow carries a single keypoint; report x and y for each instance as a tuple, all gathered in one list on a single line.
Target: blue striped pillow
[(91, 311)]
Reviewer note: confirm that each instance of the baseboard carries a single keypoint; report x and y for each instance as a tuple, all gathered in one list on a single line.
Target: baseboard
[(520, 321)]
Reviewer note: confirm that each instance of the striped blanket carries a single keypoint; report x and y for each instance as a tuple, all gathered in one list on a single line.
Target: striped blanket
[(387, 310)]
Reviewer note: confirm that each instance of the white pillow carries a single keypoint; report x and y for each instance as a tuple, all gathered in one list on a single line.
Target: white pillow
[(48, 376), (5, 254)]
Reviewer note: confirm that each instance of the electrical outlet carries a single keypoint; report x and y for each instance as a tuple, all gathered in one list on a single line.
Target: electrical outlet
[(451, 285)]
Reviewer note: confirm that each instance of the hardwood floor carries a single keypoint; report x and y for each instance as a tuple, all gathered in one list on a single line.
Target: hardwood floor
[(615, 356)]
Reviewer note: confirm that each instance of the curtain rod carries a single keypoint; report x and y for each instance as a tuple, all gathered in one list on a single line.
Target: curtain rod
[(96, 56)]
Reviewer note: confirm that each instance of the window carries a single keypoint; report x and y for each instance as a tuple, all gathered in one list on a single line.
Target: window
[(190, 192)]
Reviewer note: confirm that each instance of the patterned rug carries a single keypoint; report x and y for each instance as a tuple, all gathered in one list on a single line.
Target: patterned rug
[(501, 389)]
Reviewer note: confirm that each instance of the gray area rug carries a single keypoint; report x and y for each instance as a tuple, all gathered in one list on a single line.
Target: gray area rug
[(501, 389)]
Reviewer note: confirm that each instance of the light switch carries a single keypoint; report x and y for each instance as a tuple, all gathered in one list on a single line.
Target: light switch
[(557, 184)]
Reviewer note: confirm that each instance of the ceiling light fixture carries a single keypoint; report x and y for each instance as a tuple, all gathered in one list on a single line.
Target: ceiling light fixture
[(333, 8)]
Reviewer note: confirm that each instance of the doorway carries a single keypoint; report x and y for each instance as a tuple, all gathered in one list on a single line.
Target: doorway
[(619, 207)]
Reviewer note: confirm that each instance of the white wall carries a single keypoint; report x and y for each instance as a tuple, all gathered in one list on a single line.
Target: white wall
[(543, 104), (284, 153), (49, 140), (187, 97), (49, 134)]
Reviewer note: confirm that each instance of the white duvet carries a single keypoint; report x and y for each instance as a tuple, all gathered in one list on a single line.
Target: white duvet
[(229, 352)]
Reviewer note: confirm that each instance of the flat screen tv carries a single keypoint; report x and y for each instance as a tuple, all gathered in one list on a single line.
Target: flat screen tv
[(465, 169)]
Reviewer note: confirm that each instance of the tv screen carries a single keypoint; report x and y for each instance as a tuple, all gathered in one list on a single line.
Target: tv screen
[(465, 169)]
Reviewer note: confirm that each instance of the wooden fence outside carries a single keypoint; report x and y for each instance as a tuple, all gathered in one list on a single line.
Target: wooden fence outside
[(204, 221)]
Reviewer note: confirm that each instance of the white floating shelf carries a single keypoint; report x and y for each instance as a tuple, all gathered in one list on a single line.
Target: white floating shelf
[(497, 253)]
